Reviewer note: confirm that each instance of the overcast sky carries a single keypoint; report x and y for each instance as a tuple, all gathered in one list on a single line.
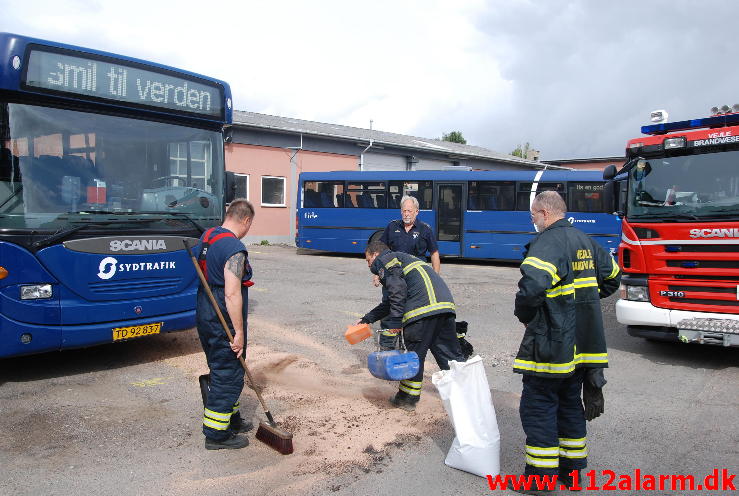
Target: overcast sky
[(574, 78)]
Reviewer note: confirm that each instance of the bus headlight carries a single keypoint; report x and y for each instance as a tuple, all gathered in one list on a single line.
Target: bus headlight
[(36, 292), (634, 293)]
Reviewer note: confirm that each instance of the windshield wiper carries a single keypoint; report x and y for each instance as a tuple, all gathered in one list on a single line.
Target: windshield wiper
[(178, 214), (50, 240), (663, 216), (146, 212), (57, 236)]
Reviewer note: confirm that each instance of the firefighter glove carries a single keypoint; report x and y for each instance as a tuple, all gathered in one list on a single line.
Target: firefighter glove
[(592, 398)]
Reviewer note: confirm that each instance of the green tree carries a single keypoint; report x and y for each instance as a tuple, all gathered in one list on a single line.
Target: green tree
[(454, 137), (522, 150)]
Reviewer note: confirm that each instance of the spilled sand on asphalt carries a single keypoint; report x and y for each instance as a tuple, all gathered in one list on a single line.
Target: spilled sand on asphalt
[(338, 413)]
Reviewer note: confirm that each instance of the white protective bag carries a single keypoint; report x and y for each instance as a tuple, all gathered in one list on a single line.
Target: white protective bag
[(466, 396)]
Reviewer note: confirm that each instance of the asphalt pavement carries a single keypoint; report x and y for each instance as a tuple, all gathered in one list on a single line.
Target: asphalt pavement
[(125, 418)]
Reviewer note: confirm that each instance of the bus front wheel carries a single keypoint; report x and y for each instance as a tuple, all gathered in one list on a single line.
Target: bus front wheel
[(375, 237)]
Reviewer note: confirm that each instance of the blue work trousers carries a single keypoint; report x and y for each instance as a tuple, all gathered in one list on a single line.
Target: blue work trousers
[(226, 372), (553, 419)]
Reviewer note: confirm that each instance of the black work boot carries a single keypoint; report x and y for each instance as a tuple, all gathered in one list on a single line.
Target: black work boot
[(404, 401), (234, 442), (565, 479), (240, 426)]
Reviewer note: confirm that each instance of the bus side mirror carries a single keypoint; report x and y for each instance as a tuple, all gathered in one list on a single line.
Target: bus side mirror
[(230, 192), (609, 172)]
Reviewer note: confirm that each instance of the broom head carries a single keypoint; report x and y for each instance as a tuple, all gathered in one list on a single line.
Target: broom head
[(278, 439)]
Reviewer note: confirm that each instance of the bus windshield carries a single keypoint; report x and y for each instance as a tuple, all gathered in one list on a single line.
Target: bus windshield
[(61, 166), (693, 187)]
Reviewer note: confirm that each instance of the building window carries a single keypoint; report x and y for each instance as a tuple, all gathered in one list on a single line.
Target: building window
[(242, 186), (199, 161), (273, 191)]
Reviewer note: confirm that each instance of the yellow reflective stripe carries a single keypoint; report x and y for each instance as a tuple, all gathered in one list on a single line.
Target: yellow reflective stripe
[(545, 266), (580, 453), (427, 309), (572, 443), (218, 416), (566, 289), (412, 266), (460, 336), (537, 450), (550, 368), (388, 333), (542, 462), (560, 368), (411, 391), (412, 384), (236, 407), (213, 424), (585, 282), (615, 270), (591, 358), (418, 265), (392, 263)]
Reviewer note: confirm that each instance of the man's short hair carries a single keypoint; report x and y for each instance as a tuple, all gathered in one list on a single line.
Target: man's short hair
[(376, 247), (551, 201), (240, 209), (411, 199)]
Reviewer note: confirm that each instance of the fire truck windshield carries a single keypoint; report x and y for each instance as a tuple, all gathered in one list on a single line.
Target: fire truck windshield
[(693, 187)]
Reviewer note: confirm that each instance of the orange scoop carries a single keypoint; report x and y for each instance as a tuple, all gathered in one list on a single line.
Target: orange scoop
[(357, 333)]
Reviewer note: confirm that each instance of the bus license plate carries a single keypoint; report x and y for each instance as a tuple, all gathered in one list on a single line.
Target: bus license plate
[(120, 333)]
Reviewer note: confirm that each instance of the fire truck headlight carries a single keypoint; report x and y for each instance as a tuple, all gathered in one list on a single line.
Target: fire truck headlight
[(36, 292), (635, 293)]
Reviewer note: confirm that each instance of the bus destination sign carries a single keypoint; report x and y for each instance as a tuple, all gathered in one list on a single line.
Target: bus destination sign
[(122, 82)]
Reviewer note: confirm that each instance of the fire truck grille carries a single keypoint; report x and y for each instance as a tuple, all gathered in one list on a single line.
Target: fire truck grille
[(704, 264)]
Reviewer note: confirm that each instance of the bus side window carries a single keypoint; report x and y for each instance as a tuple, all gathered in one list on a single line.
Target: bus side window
[(585, 197)]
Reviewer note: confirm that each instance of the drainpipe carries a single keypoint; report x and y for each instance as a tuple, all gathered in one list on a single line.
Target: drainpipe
[(294, 183), (361, 155)]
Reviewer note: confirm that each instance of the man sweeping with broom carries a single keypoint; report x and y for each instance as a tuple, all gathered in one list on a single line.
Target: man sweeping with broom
[(224, 261)]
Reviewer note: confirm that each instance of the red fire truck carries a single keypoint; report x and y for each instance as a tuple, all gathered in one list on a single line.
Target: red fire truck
[(678, 196)]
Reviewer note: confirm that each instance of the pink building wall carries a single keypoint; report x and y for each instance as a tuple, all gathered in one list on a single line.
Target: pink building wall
[(275, 223)]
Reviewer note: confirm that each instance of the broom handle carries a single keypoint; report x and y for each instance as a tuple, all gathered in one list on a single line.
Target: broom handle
[(217, 309)]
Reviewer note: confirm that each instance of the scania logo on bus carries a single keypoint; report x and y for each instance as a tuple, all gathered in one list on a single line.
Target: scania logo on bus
[(109, 266), (137, 244), (715, 233)]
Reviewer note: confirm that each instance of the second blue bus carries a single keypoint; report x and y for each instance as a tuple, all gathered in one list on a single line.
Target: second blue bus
[(474, 214)]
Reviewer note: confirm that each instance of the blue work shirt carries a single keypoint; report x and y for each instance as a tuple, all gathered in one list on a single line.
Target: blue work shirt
[(218, 254), (419, 240)]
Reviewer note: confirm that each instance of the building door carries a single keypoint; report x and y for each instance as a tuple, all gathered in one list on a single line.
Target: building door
[(449, 209)]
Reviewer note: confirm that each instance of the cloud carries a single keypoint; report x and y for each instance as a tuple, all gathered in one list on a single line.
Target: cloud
[(585, 74), (574, 78)]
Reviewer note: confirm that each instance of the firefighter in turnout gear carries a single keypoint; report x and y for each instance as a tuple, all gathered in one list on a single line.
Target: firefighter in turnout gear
[(414, 237), (224, 260), (416, 299), (564, 275)]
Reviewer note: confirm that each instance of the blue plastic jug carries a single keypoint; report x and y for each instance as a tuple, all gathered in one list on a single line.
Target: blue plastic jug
[(393, 365)]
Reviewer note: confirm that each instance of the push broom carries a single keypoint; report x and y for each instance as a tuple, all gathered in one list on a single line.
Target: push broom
[(268, 432)]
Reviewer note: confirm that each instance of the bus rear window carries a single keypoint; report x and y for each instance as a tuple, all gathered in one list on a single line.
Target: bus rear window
[(585, 197), (365, 195), (423, 191), (323, 194), (489, 195)]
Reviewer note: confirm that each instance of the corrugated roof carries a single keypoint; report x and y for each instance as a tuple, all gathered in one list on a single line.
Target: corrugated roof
[(381, 138)]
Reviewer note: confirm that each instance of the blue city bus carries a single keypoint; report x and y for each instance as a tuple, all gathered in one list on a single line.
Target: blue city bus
[(474, 214), (107, 163)]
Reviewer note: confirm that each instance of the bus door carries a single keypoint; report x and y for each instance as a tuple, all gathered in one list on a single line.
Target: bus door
[(449, 205)]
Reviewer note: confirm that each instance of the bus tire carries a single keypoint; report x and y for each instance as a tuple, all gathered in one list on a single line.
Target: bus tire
[(375, 237)]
